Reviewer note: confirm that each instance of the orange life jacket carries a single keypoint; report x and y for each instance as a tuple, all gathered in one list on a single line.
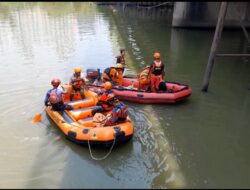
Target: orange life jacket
[(144, 76), (77, 82), (111, 74), (103, 98)]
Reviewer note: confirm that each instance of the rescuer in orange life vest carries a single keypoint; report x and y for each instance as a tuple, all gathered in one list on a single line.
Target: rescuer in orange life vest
[(54, 97), (103, 97), (78, 83), (119, 112), (143, 78), (156, 72), (114, 74)]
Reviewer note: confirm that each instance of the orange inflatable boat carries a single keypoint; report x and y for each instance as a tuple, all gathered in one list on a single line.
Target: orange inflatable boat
[(176, 92), (78, 125)]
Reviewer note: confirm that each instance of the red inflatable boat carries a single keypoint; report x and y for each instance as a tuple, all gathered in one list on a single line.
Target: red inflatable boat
[(175, 92)]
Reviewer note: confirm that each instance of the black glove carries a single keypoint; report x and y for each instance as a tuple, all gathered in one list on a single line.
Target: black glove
[(96, 110), (99, 104)]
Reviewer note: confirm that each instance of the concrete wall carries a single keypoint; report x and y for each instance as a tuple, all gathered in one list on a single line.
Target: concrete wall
[(205, 14)]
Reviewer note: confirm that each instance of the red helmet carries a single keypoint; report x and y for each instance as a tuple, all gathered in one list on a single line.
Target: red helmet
[(55, 82)]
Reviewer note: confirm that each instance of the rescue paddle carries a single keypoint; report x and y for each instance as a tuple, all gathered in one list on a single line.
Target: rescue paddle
[(38, 117)]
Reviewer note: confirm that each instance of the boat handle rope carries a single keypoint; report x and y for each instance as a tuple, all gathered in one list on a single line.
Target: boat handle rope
[(91, 154), (102, 158)]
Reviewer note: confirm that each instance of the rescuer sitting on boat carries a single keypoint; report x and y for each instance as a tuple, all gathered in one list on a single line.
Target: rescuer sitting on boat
[(78, 83), (114, 74), (119, 112), (143, 78), (54, 97), (103, 97)]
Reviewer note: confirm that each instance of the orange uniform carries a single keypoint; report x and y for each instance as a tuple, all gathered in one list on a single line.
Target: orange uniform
[(78, 84), (156, 74), (143, 78), (113, 75)]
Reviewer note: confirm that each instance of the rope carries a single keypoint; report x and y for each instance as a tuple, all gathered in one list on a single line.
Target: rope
[(102, 158), (91, 154), (102, 121)]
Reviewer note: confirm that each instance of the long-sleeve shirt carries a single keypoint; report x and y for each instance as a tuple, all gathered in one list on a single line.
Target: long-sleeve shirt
[(57, 91)]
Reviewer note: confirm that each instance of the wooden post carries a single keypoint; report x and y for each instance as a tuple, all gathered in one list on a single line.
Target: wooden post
[(217, 35)]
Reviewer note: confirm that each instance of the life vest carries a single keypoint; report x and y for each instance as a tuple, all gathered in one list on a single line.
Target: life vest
[(77, 82), (119, 79), (53, 98), (144, 76), (157, 68), (103, 98), (110, 74)]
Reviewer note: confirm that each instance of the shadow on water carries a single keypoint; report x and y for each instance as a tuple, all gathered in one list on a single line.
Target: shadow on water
[(143, 162), (82, 170), (198, 129), (121, 166)]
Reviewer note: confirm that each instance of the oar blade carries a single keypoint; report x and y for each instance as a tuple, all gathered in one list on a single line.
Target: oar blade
[(37, 118)]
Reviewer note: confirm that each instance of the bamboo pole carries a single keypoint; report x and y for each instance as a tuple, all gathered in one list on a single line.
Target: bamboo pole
[(217, 35)]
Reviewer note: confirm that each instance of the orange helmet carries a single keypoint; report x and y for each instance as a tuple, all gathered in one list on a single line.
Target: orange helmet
[(55, 82), (157, 55), (77, 70), (108, 85)]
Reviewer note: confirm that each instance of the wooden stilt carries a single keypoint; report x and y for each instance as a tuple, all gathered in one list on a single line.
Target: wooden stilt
[(217, 35)]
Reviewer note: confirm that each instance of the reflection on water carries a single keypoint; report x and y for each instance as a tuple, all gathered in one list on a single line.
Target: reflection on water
[(200, 143)]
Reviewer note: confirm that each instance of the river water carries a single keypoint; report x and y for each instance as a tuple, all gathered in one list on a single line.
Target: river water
[(199, 143)]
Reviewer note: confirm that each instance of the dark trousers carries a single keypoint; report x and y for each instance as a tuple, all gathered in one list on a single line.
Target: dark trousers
[(61, 106)]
